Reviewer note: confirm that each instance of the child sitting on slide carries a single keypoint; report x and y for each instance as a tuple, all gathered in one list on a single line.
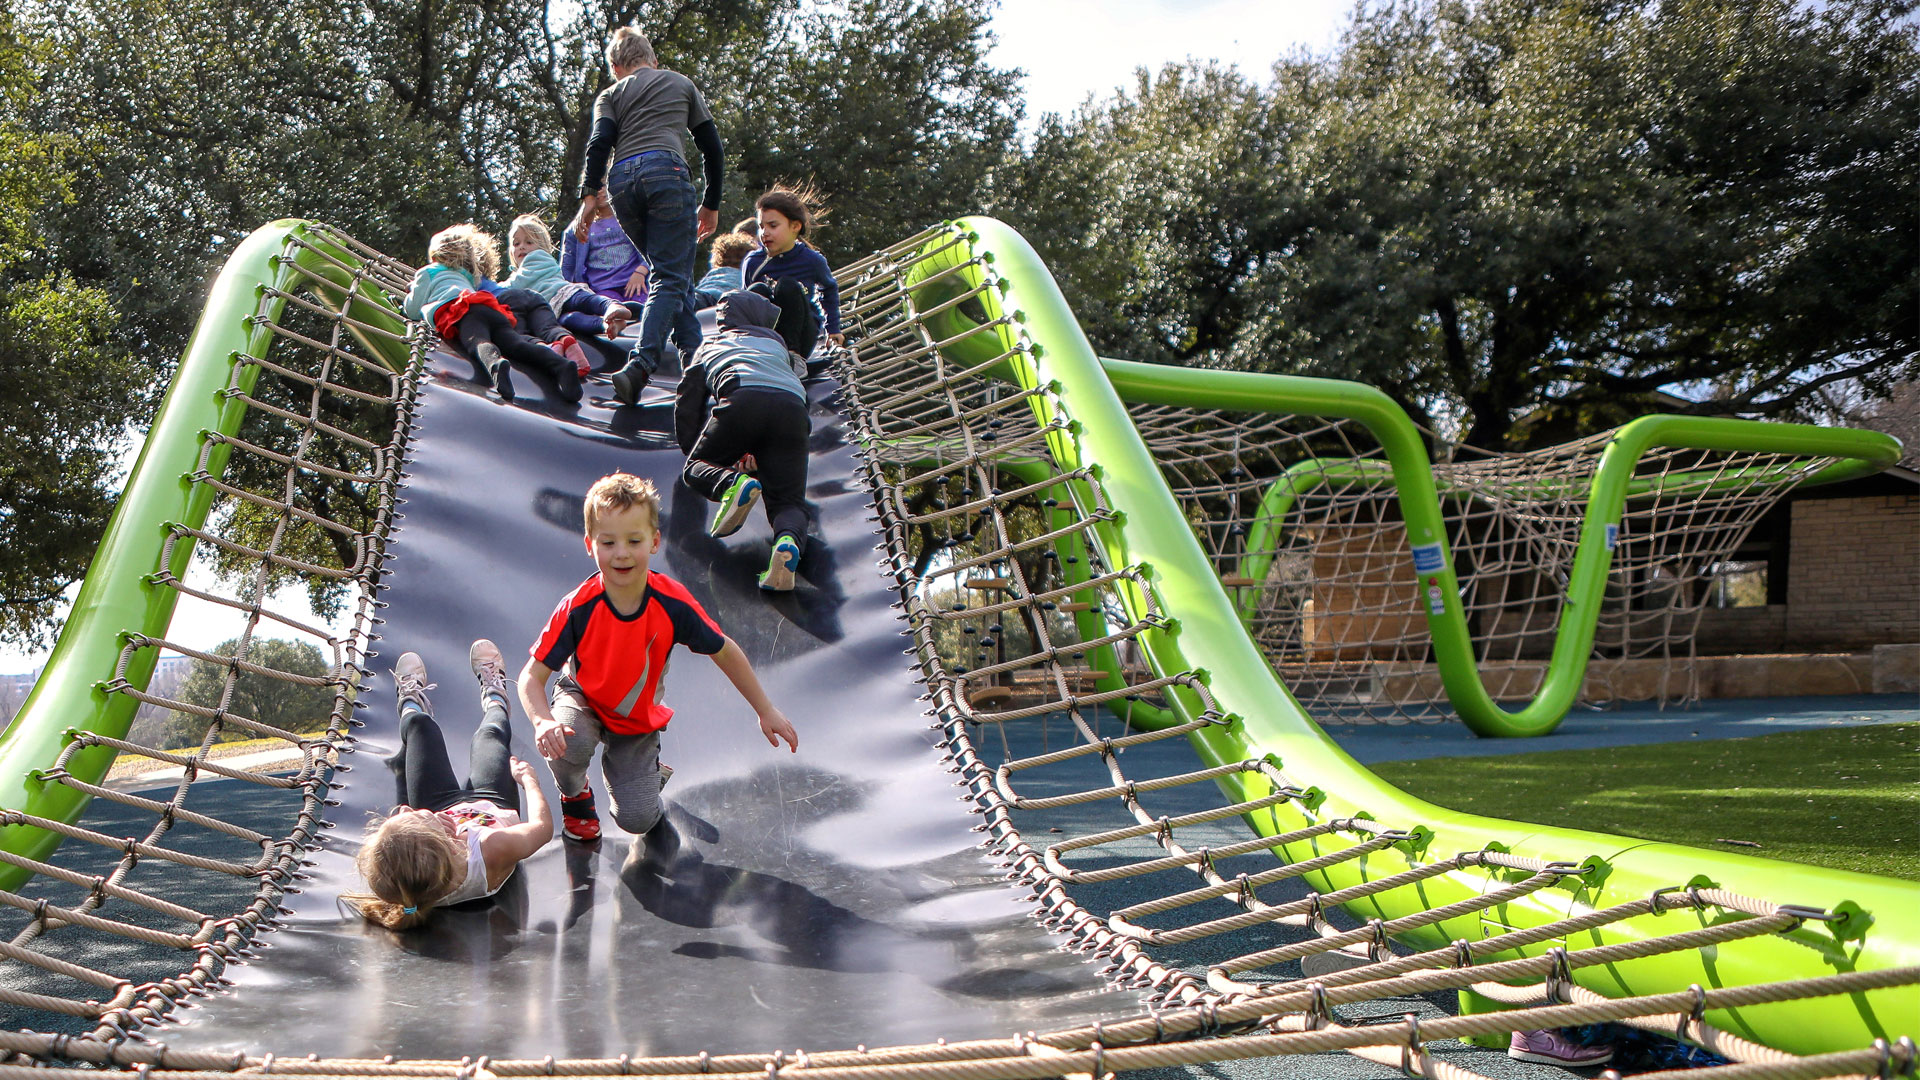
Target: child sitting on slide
[(604, 260), (791, 272), (610, 640), (579, 309), (445, 842), (729, 251), (451, 293)]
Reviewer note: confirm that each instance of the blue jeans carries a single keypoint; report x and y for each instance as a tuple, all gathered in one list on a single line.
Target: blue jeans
[(654, 201)]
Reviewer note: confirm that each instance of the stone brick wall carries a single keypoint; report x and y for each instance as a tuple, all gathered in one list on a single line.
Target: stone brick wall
[(1855, 577)]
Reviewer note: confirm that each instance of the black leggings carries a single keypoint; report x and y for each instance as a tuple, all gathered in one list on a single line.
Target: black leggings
[(799, 324), (424, 777), (483, 323), (771, 425)]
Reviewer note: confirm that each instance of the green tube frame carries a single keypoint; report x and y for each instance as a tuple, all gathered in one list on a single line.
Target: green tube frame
[(119, 597), (1861, 453), (1879, 925)]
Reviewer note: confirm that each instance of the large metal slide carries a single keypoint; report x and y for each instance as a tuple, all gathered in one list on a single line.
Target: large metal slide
[(1084, 670)]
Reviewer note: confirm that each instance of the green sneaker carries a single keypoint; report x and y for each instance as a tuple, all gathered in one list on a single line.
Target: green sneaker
[(779, 575), (735, 504)]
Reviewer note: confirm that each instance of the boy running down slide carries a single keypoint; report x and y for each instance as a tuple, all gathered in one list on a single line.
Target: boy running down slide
[(610, 639)]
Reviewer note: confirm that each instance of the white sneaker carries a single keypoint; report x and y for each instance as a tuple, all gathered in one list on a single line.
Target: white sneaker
[(490, 668), (410, 683)]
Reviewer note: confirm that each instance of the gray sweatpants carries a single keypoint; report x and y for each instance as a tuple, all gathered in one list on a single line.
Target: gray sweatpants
[(631, 764)]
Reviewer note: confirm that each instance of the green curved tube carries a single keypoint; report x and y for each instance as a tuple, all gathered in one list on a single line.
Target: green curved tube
[(117, 596), (1861, 453), (1150, 531)]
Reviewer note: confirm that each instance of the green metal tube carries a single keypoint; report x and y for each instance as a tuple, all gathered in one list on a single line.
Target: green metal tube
[(118, 596), (1860, 453), (1882, 928)]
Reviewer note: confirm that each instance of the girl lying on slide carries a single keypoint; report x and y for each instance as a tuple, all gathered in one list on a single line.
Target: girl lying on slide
[(447, 842)]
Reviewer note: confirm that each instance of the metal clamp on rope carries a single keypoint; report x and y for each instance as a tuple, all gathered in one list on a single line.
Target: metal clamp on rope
[(1653, 899), (1802, 912), (1319, 1013), (1693, 1015), (1412, 1050), (1559, 977), (1378, 949), (1462, 953)]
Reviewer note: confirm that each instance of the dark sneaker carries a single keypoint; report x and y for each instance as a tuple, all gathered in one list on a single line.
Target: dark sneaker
[(410, 683), (1553, 1048), (735, 504), (567, 381), (629, 381), (498, 369), (578, 819), (780, 567), (490, 668)]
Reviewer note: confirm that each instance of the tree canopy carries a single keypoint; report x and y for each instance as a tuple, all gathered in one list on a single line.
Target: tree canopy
[(1522, 217), (66, 390), (286, 705), (1525, 219)]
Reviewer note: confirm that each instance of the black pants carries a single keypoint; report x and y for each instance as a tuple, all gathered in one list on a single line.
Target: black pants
[(424, 778), (771, 425), (799, 324), (483, 323), (537, 318)]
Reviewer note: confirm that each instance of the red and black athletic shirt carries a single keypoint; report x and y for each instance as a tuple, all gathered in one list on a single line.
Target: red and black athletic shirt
[(619, 660)]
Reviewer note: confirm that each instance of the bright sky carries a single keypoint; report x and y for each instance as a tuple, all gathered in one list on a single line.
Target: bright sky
[(1070, 49)]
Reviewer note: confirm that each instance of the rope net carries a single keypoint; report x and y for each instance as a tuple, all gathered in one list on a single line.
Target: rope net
[(1131, 852), (302, 494), (1301, 518)]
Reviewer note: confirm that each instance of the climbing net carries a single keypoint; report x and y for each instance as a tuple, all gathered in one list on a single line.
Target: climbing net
[(1302, 518), (181, 892), (1010, 603)]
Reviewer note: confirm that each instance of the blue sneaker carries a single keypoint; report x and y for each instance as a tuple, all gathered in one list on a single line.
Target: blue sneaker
[(735, 504), (779, 575)]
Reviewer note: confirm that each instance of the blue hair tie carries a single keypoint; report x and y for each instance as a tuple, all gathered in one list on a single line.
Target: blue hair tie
[(409, 911)]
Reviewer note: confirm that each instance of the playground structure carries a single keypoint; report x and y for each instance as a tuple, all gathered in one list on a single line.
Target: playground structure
[(1131, 541)]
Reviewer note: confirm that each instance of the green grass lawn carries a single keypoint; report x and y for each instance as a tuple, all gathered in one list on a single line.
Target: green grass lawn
[(1843, 798)]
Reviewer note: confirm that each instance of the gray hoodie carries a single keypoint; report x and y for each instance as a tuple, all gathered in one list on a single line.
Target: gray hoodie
[(746, 353)]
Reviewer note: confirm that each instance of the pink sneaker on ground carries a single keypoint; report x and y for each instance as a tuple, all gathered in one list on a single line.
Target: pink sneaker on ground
[(1553, 1048)]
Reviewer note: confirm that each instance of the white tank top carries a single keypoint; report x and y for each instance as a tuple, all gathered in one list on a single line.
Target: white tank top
[(474, 819)]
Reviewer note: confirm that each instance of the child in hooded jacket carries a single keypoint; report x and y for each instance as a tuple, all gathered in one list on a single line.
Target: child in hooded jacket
[(759, 412)]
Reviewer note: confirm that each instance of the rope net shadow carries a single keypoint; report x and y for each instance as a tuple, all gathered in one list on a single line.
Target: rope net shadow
[(1018, 623)]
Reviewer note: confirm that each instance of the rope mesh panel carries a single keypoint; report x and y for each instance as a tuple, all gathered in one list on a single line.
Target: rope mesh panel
[(1300, 516), (195, 889), (1015, 622)]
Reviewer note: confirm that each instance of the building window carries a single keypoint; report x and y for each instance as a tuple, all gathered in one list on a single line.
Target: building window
[(1737, 584)]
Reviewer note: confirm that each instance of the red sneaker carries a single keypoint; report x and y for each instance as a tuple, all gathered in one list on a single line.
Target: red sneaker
[(578, 819)]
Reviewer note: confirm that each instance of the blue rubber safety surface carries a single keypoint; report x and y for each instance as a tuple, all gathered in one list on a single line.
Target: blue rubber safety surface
[(1637, 724)]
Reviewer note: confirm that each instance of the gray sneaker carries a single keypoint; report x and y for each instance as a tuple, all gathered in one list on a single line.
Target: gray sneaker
[(489, 668), (410, 683)]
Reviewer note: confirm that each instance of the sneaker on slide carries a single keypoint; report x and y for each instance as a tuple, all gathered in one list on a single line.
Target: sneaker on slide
[(578, 818), (1553, 1048), (735, 504), (781, 565)]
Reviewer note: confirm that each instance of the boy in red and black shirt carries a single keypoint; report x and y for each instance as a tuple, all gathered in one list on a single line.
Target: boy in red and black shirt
[(609, 639)]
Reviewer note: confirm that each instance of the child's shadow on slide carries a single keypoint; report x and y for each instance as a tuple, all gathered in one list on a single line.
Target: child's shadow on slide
[(811, 931), (734, 596)]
